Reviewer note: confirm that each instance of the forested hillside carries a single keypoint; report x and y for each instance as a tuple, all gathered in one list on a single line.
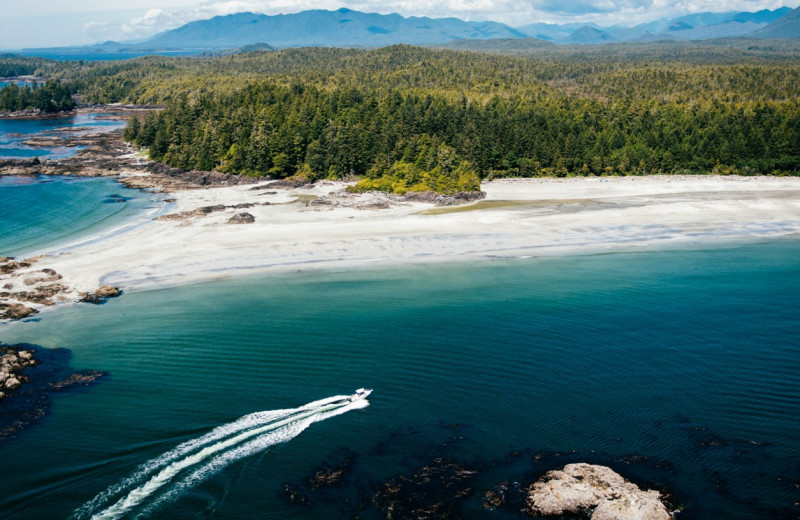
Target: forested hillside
[(50, 97), (412, 118)]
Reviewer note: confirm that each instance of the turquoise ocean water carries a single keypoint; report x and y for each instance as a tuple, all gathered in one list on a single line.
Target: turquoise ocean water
[(39, 213), (679, 368), (14, 133)]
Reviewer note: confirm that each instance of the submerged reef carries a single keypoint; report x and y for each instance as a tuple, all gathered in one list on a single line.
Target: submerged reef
[(29, 374)]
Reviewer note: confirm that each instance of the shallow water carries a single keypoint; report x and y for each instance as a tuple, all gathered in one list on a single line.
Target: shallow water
[(688, 357), (15, 132), (44, 213)]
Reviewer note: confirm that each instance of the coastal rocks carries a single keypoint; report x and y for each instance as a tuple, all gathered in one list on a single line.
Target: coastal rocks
[(291, 182), (434, 491), (49, 276), (199, 212), (81, 378), (29, 374), (42, 295), (12, 362), (241, 218), (15, 311), (25, 291), (101, 295), (461, 197), (593, 490), (9, 265)]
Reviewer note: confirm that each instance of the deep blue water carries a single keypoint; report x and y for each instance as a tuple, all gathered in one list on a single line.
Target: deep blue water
[(680, 368), (15, 132), (44, 212)]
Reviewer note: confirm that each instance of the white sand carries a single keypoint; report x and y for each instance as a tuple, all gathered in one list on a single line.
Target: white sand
[(543, 217)]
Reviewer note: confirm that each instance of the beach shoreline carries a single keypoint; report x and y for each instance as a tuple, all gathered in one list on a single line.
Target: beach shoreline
[(220, 232), (216, 226)]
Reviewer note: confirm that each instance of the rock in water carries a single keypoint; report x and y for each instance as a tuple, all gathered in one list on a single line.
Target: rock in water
[(101, 294), (586, 488), (15, 311), (242, 218)]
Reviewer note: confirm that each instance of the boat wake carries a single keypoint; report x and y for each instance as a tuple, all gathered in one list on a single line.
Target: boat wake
[(168, 476)]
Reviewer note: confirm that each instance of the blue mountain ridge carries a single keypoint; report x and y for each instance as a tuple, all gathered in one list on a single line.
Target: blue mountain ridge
[(349, 28)]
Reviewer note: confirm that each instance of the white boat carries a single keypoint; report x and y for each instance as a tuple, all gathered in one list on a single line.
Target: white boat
[(361, 393)]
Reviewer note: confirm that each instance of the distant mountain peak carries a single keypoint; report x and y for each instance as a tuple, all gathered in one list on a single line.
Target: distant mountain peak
[(680, 26), (587, 35), (787, 26), (327, 28)]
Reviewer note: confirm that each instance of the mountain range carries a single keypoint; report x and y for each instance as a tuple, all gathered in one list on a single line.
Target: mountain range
[(348, 28)]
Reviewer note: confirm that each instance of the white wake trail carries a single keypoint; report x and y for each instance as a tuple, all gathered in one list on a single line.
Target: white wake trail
[(246, 450), (268, 428), (243, 423)]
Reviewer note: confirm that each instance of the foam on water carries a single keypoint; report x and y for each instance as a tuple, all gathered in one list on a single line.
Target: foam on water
[(224, 445)]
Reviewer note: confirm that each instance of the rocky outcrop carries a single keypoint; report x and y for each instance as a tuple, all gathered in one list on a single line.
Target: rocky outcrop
[(12, 363), (241, 218), (198, 212), (29, 375), (9, 265), (101, 295), (15, 311), (47, 276), (595, 491), (291, 182), (82, 378), (461, 197), (42, 295)]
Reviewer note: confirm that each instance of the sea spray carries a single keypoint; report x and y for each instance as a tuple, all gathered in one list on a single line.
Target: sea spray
[(224, 445)]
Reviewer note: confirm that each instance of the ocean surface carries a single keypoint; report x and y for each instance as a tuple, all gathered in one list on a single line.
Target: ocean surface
[(678, 368), (48, 212), (15, 132)]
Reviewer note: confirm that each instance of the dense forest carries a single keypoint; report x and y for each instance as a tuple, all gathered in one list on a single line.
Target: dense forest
[(409, 118), (50, 97)]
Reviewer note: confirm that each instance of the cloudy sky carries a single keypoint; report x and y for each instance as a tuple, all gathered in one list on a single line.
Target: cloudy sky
[(41, 23)]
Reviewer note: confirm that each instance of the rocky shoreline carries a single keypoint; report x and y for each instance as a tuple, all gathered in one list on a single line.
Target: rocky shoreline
[(24, 289), (27, 287), (12, 363), (105, 154), (29, 374), (524, 484)]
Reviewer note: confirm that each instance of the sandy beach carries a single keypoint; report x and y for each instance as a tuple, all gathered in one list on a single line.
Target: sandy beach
[(325, 227)]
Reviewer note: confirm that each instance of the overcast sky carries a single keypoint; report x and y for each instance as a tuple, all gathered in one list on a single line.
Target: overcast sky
[(41, 23)]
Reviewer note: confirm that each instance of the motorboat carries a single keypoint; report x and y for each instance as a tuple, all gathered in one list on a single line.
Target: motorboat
[(361, 393)]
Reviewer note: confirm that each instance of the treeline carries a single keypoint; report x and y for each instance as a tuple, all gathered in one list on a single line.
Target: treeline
[(50, 97), (279, 131), (12, 65), (406, 117)]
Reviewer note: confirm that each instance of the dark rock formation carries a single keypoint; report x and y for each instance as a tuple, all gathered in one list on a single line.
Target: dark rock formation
[(594, 491), (434, 491), (49, 276), (495, 498), (101, 295), (9, 265), (461, 197), (15, 311), (12, 362), (29, 375), (290, 183), (81, 378), (198, 212), (42, 295), (242, 218)]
